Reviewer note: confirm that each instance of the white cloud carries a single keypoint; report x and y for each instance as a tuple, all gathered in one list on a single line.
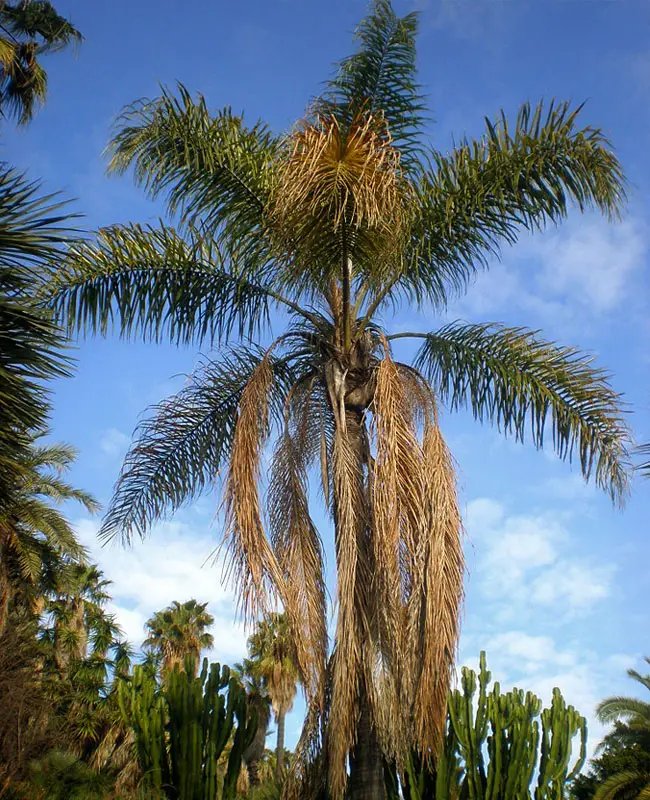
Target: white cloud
[(524, 564), (114, 442), (170, 565), (577, 585), (585, 267)]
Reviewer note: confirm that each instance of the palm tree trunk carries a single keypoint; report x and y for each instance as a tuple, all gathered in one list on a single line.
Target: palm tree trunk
[(366, 767), (5, 593), (279, 751)]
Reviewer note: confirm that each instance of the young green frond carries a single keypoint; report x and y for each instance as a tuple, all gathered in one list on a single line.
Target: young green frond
[(154, 283), (517, 380), (380, 78)]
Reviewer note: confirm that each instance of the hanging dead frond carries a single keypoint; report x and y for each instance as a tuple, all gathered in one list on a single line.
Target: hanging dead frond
[(436, 600), (398, 488), (297, 543), (251, 561), (351, 628)]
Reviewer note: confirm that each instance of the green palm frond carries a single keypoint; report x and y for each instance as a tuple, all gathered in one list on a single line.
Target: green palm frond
[(644, 467), (211, 168), (155, 283), (512, 377), (623, 786), (39, 19), (626, 708), (31, 29), (181, 448), (484, 193), (34, 226), (379, 79)]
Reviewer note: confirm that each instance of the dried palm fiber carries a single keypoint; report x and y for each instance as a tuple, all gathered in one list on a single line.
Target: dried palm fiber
[(342, 179), (251, 561), (352, 628), (296, 541), (397, 489), (437, 593)]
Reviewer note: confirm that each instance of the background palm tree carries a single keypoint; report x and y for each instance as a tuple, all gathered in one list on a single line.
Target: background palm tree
[(259, 703), (180, 630), (274, 658), (37, 543), (28, 30), (33, 228), (632, 730), (335, 224)]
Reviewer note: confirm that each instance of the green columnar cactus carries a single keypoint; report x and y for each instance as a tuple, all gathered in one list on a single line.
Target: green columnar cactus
[(495, 748), (183, 728)]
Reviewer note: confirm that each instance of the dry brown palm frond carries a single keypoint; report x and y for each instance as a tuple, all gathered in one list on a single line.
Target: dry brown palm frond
[(352, 175), (436, 601), (251, 560), (308, 774), (398, 489), (341, 191), (351, 627), (297, 544)]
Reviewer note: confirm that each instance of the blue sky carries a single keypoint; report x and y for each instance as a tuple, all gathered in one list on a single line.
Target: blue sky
[(557, 586)]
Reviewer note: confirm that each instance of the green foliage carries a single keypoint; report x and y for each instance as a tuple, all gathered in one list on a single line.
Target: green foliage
[(30, 29), (178, 631), (183, 728), (514, 378), (63, 776), (500, 746), (622, 770)]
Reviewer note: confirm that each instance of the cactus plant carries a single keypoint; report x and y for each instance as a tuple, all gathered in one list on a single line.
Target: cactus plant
[(183, 727), (498, 745)]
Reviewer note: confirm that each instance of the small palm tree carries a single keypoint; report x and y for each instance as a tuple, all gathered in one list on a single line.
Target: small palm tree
[(180, 630), (632, 716), (37, 542), (258, 701), (30, 29), (80, 625), (333, 226), (274, 658)]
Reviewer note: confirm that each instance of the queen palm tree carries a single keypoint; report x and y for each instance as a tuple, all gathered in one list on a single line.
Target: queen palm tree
[(632, 730), (331, 227), (178, 631), (272, 651), (29, 29)]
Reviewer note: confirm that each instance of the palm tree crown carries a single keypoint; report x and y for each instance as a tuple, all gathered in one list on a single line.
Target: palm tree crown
[(335, 224), (632, 729), (30, 28), (273, 657), (178, 631)]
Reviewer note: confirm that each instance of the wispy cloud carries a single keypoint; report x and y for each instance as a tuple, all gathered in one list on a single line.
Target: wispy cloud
[(525, 567), (170, 565), (574, 274), (114, 442)]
